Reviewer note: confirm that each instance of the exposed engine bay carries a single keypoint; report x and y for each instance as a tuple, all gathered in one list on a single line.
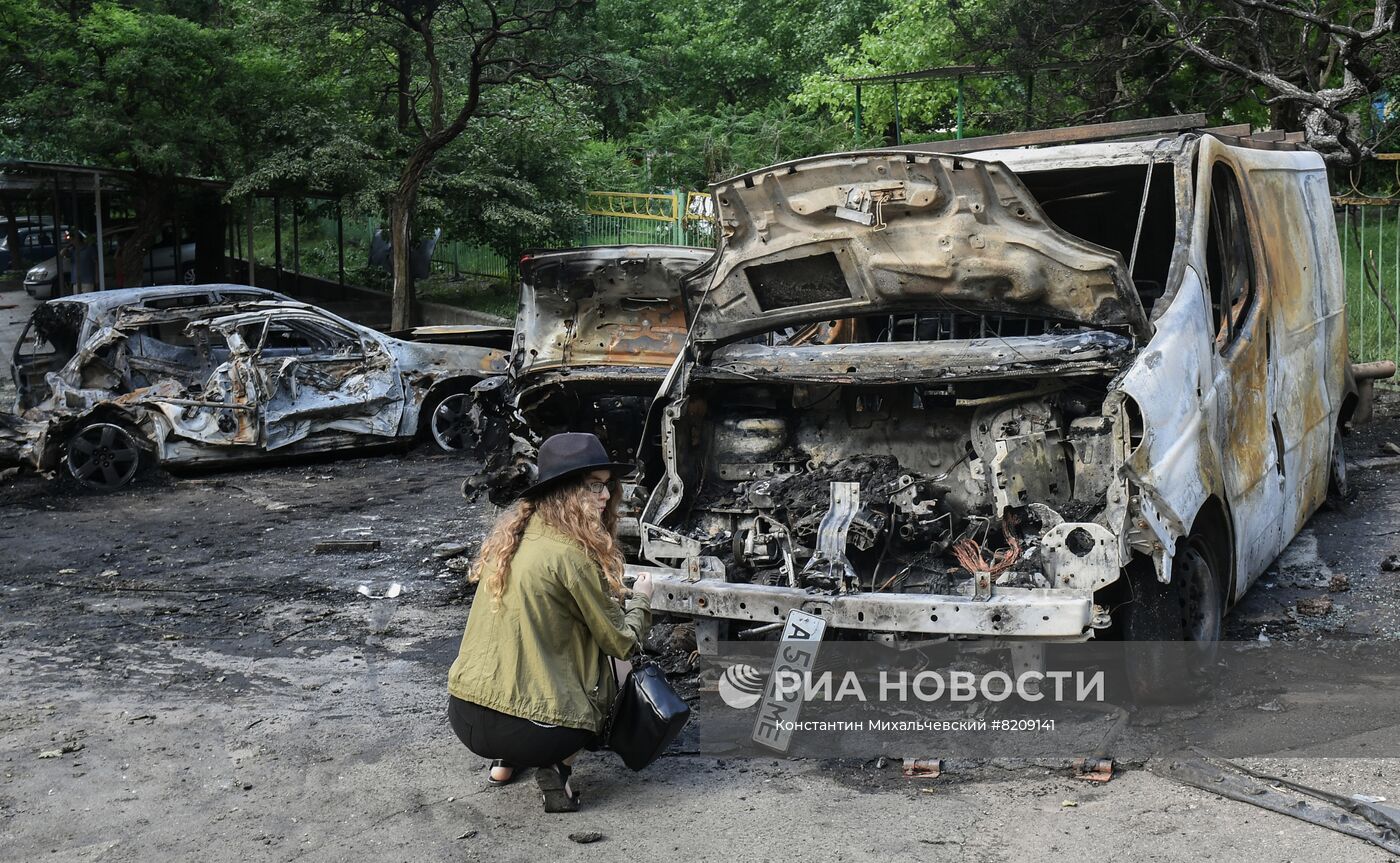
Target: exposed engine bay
[(937, 486)]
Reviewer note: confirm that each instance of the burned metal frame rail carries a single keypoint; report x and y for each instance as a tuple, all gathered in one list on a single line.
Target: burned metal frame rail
[(1375, 823)]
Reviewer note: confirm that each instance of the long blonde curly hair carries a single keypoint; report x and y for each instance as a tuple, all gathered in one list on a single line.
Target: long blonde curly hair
[(569, 509)]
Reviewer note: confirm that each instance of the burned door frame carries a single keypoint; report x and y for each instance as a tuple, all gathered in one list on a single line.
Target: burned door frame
[(310, 408), (1308, 363), (1242, 368)]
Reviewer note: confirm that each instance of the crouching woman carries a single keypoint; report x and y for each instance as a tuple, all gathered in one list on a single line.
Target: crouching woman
[(532, 684)]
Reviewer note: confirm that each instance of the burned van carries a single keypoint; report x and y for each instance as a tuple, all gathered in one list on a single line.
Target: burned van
[(1021, 394)]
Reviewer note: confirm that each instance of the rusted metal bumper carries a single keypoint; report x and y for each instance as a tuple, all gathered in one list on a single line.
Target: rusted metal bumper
[(1009, 612)]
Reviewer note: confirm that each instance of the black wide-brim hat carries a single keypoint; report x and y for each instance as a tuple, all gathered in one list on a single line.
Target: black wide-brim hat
[(568, 455)]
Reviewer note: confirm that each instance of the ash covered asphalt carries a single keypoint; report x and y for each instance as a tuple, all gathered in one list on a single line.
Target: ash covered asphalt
[(183, 677)]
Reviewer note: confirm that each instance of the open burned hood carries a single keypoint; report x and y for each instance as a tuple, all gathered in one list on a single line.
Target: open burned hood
[(872, 232), (603, 306)]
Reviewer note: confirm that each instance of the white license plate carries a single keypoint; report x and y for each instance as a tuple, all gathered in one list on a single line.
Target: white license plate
[(797, 653)]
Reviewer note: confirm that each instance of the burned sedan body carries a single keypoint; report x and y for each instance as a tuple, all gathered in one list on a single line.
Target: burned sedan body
[(1016, 394), (597, 330), (208, 374)]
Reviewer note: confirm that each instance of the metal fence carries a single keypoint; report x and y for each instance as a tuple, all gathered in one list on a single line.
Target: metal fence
[(1369, 231), (679, 218), (465, 259)]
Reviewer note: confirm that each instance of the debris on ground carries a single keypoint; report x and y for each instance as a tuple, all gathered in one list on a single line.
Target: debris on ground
[(1315, 606), (1391, 564), (459, 564), (470, 834), (346, 546), (444, 550), (585, 837), (1093, 769), (392, 593), (68, 746), (1390, 447), (1339, 584), (1360, 815), (922, 768)]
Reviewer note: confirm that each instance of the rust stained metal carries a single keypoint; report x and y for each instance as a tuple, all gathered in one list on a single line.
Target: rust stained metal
[(613, 306), (597, 329), (1098, 770), (922, 768), (857, 233)]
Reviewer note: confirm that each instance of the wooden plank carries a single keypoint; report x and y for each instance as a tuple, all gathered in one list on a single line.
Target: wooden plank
[(1063, 135), (1238, 130)]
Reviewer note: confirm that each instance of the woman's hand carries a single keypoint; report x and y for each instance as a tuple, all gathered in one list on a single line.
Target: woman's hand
[(643, 586)]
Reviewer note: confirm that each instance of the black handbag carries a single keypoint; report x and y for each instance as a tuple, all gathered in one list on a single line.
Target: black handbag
[(646, 717)]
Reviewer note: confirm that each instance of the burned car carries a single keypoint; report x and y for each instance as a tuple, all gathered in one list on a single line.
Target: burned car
[(597, 330), (1015, 394), (111, 381)]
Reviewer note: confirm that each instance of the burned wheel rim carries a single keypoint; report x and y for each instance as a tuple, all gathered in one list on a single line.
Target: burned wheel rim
[(1337, 478), (451, 423), (1199, 595), (103, 456), (189, 276)]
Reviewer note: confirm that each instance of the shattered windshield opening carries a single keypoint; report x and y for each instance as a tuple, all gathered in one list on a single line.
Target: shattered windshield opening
[(1101, 205)]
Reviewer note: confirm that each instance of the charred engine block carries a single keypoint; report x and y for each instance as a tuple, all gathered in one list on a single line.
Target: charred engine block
[(932, 469)]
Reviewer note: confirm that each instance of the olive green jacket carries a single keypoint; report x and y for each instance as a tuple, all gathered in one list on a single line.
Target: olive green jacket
[(537, 654)]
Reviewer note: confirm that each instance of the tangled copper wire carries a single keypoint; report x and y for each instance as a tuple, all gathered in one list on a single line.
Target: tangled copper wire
[(969, 552)]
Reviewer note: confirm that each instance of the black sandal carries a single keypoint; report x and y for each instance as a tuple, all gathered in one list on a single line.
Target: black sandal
[(501, 762), (554, 788)]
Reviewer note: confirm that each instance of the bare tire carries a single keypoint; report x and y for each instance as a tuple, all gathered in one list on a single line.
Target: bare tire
[(449, 425), (103, 456), (1337, 486), (1174, 629)]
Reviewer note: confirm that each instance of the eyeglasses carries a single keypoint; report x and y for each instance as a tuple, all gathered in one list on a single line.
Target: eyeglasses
[(595, 487)]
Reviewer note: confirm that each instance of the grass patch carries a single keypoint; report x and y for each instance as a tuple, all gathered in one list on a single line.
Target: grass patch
[(1370, 238), (492, 296)]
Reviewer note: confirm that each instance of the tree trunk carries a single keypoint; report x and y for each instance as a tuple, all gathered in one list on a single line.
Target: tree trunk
[(401, 234)]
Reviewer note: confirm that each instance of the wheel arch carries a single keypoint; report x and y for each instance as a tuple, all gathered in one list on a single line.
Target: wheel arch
[(439, 390), (1214, 525)]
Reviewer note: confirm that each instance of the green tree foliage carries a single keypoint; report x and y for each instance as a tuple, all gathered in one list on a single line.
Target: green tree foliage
[(341, 97), (164, 90), (1279, 64)]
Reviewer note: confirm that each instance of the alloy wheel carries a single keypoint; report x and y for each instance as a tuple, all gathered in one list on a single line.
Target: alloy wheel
[(451, 424), (103, 456)]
